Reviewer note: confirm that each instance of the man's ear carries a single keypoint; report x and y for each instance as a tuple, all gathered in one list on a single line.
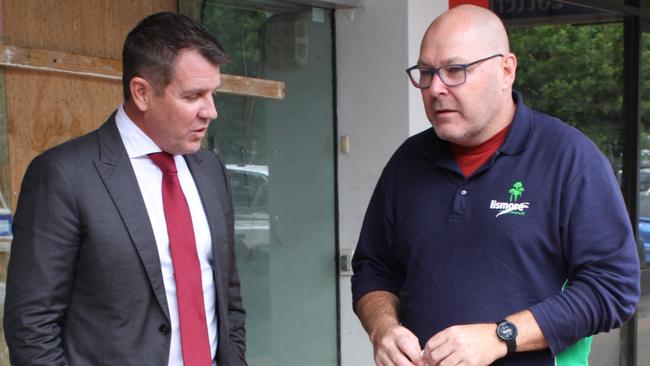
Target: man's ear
[(509, 70), (141, 92)]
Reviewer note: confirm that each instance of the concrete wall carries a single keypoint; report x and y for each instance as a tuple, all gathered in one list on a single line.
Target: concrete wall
[(377, 109)]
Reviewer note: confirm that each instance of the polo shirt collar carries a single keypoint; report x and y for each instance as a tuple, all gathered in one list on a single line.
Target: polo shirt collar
[(517, 138), (514, 143)]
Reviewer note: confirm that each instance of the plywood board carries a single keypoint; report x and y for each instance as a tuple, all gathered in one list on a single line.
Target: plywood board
[(44, 109), (96, 67), (88, 27), (5, 171), (49, 109), (59, 62)]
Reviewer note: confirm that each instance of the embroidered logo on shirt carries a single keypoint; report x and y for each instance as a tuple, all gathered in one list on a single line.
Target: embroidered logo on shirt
[(513, 207)]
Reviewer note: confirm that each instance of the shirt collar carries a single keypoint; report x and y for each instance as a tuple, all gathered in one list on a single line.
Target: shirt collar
[(517, 138), (136, 142), (439, 151)]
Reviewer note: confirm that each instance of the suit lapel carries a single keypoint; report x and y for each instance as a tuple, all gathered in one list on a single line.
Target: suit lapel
[(114, 168), (215, 214)]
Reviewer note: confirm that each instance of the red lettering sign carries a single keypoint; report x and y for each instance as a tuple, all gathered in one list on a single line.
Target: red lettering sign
[(483, 3)]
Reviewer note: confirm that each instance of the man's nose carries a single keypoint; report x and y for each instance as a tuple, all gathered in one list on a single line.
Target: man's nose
[(437, 86), (209, 110)]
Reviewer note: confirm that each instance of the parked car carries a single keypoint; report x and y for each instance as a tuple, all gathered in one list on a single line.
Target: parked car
[(249, 188), (644, 180), (644, 223), (644, 233)]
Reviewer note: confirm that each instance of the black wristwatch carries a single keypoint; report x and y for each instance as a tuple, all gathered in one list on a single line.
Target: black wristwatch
[(507, 332)]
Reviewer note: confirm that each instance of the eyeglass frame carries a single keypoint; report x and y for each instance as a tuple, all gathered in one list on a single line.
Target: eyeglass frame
[(433, 71)]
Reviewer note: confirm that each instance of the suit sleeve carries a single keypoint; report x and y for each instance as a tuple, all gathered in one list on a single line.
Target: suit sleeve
[(41, 266), (236, 312), (598, 242)]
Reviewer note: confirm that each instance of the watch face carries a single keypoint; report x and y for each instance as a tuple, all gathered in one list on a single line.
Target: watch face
[(506, 330)]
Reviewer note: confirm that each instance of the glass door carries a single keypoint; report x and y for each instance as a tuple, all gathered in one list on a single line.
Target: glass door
[(280, 155)]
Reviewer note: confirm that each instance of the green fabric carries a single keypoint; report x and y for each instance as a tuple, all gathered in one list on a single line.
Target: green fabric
[(578, 353)]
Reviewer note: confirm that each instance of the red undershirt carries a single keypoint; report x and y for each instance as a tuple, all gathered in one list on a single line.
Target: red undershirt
[(470, 158)]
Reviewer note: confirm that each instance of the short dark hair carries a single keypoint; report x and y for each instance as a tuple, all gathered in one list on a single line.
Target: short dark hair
[(151, 48)]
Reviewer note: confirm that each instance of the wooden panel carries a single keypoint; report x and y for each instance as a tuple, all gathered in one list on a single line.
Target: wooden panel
[(191, 8), (59, 62), (45, 108), (251, 87), (103, 68), (88, 27), (1, 18), (49, 109), (5, 171)]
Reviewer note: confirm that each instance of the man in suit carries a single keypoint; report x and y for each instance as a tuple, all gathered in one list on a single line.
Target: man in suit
[(94, 276)]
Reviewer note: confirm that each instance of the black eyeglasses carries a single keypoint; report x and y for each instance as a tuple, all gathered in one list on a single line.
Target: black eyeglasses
[(450, 75)]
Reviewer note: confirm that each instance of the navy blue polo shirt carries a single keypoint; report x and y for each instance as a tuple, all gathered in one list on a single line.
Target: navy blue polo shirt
[(546, 208)]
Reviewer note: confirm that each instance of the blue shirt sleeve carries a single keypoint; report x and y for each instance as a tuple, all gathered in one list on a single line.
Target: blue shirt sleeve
[(376, 262), (603, 261)]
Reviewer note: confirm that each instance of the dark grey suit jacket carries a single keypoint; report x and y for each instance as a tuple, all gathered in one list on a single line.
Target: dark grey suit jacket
[(84, 283)]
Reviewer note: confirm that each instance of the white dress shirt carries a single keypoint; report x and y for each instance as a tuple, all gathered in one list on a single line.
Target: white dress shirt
[(149, 177)]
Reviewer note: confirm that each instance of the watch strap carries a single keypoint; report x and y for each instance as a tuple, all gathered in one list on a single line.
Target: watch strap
[(511, 344)]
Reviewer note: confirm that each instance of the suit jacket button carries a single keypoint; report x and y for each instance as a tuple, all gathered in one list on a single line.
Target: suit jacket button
[(164, 329)]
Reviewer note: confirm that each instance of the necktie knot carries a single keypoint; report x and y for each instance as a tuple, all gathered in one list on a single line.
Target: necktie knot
[(164, 161)]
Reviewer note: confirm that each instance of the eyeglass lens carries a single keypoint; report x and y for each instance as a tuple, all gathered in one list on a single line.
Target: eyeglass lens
[(450, 75)]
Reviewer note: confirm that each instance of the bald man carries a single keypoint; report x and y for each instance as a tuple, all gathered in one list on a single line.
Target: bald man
[(486, 239)]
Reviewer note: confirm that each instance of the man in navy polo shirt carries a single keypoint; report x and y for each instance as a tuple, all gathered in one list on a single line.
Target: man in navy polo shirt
[(499, 235)]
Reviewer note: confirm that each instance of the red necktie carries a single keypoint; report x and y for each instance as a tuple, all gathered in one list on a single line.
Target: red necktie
[(187, 270)]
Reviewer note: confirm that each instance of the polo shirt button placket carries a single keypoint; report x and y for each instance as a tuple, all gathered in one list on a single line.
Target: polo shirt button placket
[(460, 199)]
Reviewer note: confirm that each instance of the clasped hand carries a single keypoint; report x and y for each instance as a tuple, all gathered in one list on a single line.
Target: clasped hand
[(472, 344)]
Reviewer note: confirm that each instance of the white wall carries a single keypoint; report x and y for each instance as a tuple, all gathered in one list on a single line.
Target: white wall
[(372, 106), (421, 14), (378, 109)]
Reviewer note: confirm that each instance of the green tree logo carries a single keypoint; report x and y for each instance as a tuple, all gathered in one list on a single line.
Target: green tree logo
[(516, 191)]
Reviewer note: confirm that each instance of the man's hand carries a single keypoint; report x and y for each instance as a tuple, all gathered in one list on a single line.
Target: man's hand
[(394, 345), (397, 346), (473, 344)]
